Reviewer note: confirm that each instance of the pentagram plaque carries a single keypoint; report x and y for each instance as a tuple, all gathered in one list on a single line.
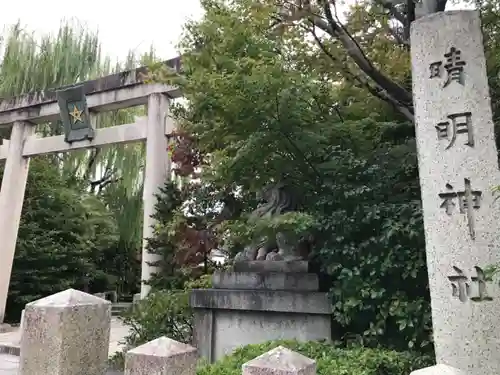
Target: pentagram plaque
[(75, 114)]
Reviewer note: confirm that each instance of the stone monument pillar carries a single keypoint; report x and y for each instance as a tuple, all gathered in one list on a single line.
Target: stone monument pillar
[(458, 165)]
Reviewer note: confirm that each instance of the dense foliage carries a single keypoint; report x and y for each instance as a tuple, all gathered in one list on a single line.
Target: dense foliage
[(330, 360), (273, 115), (63, 230), (184, 265), (163, 313), (180, 237)]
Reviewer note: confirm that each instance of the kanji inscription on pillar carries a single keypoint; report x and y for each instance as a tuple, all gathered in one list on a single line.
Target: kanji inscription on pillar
[(461, 285), (453, 66), (468, 201), (457, 123)]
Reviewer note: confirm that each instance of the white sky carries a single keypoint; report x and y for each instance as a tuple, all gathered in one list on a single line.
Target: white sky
[(122, 26)]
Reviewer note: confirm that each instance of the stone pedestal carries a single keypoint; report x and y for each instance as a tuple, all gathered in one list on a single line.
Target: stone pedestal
[(255, 303)]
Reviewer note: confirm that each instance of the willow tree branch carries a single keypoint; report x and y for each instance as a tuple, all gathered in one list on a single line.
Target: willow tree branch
[(91, 162)]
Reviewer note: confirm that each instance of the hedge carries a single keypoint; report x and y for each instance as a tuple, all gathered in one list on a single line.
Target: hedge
[(330, 360)]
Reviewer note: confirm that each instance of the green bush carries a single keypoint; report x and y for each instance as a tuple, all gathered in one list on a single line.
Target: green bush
[(162, 313), (330, 360)]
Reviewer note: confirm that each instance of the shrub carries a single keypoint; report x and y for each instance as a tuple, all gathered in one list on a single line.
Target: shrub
[(330, 360), (162, 313)]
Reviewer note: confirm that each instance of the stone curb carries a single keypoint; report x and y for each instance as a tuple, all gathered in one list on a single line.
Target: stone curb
[(10, 348)]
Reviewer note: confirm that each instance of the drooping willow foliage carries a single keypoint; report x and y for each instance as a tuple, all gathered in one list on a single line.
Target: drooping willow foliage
[(30, 62)]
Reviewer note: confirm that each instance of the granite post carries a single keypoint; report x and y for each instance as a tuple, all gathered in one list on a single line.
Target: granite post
[(280, 361), (162, 356), (66, 334), (458, 167)]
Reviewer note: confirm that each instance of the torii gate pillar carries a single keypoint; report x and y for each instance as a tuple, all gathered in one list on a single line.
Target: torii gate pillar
[(158, 169)]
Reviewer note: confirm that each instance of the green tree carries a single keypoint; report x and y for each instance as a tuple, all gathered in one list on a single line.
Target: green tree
[(62, 228), (265, 109), (384, 21)]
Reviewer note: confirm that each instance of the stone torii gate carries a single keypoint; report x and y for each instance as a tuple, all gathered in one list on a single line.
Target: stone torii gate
[(116, 91)]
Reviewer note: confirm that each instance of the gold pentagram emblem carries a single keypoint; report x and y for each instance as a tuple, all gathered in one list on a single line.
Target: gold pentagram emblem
[(76, 114)]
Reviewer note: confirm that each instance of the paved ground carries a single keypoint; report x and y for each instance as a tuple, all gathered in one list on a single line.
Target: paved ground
[(9, 364)]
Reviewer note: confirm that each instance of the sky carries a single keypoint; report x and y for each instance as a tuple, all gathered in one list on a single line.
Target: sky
[(122, 26)]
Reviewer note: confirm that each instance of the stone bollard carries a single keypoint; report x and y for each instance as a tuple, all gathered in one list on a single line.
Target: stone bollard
[(438, 370), (162, 356), (280, 361), (66, 333)]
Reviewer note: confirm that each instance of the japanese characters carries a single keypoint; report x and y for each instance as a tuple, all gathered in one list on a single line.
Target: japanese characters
[(458, 123), (462, 286), (454, 67), (468, 200)]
